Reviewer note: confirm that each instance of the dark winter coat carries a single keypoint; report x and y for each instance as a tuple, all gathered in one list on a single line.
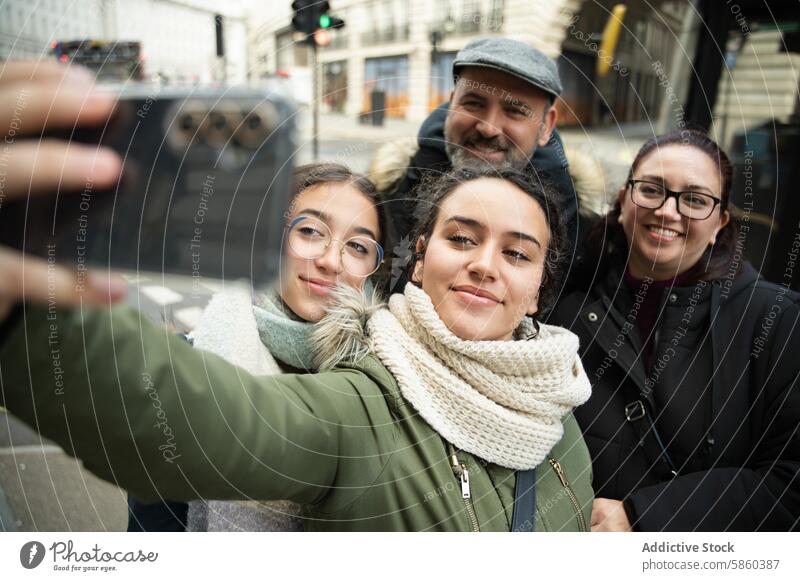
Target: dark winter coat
[(722, 393)]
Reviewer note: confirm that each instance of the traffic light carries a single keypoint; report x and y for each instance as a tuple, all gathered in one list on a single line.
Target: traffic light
[(322, 36), (313, 15), (327, 21), (305, 18)]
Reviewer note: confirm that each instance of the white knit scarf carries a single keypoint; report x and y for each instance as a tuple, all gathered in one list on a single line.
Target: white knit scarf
[(500, 400)]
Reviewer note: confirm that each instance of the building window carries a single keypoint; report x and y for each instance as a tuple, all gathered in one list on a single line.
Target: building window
[(470, 20), (468, 16), (443, 13), (289, 53), (334, 86), (388, 75), (494, 22), (441, 78), (390, 22)]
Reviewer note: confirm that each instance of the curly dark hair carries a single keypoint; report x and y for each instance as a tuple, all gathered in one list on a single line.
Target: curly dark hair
[(434, 189), (606, 245)]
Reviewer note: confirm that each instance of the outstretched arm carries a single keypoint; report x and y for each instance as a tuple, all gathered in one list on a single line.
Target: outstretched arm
[(145, 410)]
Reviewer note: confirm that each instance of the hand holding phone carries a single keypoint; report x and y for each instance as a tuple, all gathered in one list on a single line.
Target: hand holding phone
[(38, 97), (202, 192)]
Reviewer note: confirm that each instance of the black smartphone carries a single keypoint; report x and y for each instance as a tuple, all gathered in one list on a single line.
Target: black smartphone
[(205, 183)]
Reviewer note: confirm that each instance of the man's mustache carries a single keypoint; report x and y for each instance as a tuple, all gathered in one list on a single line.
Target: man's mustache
[(496, 143)]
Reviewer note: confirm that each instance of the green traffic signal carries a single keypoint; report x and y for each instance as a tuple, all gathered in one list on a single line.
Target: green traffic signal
[(325, 21)]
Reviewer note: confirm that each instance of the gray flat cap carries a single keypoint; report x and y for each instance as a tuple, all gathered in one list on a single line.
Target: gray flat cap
[(512, 57)]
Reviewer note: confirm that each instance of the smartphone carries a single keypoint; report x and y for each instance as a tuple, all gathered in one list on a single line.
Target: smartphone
[(205, 184)]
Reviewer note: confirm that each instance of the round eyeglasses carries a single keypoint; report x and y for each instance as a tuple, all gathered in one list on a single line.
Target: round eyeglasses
[(651, 195), (310, 238)]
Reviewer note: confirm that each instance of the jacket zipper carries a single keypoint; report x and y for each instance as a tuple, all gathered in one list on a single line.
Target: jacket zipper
[(461, 472), (571, 495), (647, 399)]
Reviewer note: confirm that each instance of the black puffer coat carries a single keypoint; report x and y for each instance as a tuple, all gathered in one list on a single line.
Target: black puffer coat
[(723, 394)]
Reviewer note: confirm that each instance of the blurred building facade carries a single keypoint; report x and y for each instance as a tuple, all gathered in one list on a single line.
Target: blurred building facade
[(630, 91), (27, 29), (405, 49), (178, 37), (759, 85)]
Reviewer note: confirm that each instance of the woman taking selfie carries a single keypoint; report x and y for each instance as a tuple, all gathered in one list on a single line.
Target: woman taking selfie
[(334, 234), (435, 409), (693, 419)]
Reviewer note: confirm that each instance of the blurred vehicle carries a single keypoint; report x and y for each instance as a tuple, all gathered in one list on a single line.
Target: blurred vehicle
[(110, 60)]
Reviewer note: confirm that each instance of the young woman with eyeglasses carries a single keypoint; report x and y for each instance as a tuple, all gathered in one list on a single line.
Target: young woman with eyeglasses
[(333, 237), (693, 419)]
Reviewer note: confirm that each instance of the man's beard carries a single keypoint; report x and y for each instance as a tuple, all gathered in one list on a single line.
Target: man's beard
[(462, 158)]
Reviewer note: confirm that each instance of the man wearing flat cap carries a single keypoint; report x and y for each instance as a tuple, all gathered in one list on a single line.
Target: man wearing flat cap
[(501, 113)]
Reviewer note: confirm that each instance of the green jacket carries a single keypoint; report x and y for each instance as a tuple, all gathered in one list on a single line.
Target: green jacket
[(145, 410)]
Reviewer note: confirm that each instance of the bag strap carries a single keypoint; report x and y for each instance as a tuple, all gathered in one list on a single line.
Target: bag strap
[(638, 414), (524, 519)]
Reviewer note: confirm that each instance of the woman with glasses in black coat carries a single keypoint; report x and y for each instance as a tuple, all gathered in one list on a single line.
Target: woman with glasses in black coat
[(693, 358)]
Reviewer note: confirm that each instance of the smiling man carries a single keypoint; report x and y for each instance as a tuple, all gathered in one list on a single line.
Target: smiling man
[(496, 117), (501, 113)]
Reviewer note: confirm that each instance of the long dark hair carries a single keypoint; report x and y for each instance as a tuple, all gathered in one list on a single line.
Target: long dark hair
[(606, 245), (432, 191)]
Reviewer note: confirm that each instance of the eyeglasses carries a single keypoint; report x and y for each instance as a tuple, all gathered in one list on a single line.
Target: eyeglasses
[(693, 205), (310, 238)]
